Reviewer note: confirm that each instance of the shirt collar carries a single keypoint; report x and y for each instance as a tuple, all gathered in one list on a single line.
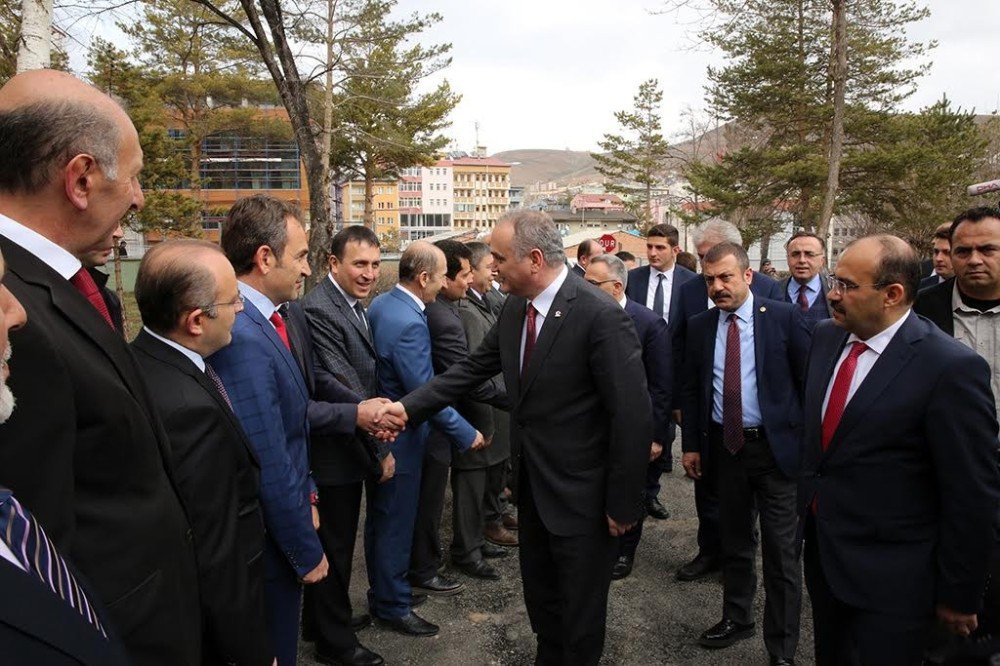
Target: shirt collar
[(193, 356), (52, 255), (623, 301), (350, 299), (878, 342), (813, 284), (478, 295), (543, 301), (667, 274), (409, 293), (957, 305), (744, 312), (259, 300)]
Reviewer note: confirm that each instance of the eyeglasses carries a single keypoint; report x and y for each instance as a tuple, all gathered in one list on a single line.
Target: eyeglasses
[(796, 254), (835, 284), (236, 303), (597, 283)]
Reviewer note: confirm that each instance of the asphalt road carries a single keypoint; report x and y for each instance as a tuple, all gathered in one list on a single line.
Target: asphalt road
[(652, 619)]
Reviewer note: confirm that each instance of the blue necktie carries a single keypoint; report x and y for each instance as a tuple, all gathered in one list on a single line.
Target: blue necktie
[(658, 295)]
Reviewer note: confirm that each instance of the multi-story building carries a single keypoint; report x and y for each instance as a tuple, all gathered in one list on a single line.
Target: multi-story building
[(425, 201), (482, 190), (385, 205)]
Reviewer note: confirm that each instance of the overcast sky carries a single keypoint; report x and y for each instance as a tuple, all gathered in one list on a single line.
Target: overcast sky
[(550, 73)]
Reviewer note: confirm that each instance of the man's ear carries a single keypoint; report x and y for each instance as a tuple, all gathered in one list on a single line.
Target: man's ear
[(264, 259), (193, 322), (79, 180)]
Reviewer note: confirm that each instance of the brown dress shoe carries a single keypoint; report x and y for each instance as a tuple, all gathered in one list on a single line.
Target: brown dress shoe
[(509, 521), (499, 535)]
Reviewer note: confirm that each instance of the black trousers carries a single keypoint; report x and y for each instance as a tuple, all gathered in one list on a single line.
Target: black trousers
[(706, 504), (747, 478), (326, 613), (475, 502), (566, 581), (427, 556), (850, 636)]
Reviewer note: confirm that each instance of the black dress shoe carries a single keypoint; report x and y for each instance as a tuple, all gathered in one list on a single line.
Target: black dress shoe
[(479, 569), (725, 634), (491, 551), (699, 567), (655, 509), (360, 621), (358, 655), (410, 624), (782, 661), (439, 586), (623, 567)]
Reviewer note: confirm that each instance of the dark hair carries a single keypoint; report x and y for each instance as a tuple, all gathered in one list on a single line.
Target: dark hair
[(806, 234), (584, 249), (39, 139), (898, 263), (418, 258), (977, 214), (253, 222), (667, 231), (624, 255), (943, 231), (168, 286), (454, 252), (688, 261), (352, 233), (725, 249), (479, 250)]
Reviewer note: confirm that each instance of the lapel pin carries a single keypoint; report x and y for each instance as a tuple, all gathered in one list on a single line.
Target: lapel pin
[(557, 314), (763, 309)]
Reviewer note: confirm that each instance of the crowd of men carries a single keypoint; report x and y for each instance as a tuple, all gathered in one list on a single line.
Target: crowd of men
[(193, 496)]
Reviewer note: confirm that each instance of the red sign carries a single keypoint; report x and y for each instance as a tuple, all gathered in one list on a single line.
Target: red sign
[(608, 242)]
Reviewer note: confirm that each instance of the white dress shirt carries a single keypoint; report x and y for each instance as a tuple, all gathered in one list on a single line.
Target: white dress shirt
[(542, 303), (420, 303), (668, 279), (192, 356), (876, 346), (49, 253)]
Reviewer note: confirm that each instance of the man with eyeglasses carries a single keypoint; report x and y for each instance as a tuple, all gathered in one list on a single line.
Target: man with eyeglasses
[(188, 297), (899, 490), (806, 253)]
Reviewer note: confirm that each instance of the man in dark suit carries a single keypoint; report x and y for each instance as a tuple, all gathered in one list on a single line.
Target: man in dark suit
[(403, 343), (745, 362), (342, 347), (187, 294), (584, 251), (941, 256), (608, 274), (264, 240), (581, 412), (899, 490), (657, 286), (693, 299), (85, 449), (805, 286)]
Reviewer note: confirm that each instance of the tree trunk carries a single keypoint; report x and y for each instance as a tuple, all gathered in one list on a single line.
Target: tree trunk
[(35, 46), (369, 212), (322, 233), (837, 130), (120, 290)]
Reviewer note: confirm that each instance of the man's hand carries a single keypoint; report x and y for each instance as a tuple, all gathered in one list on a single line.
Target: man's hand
[(388, 468), (692, 465), (379, 414), (960, 624), (617, 529), (655, 451), (317, 574), (677, 416), (315, 515), (479, 442), (393, 409)]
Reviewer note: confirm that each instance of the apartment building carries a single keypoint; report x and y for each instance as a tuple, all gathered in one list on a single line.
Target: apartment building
[(482, 191)]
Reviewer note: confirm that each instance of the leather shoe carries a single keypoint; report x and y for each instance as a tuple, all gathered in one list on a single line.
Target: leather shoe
[(358, 655), (410, 624), (489, 550), (479, 569), (360, 621), (623, 567), (417, 599), (725, 634), (509, 521), (655, 509), (701, 566), (439, 586), (499, 535), (782, 661)]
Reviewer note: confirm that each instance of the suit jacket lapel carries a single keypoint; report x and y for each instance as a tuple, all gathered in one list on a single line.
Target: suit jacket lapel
[(511, 324), (759, 313), (268, 330), (561, 306), (349, 314)]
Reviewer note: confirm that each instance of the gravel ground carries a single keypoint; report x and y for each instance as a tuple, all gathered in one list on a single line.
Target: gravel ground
[(652, 619)]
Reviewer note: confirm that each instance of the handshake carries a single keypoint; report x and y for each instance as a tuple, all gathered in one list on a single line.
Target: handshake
[(383, 419)]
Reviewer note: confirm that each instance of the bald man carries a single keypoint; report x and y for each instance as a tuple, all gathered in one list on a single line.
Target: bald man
[(85, 448), (188, 297)]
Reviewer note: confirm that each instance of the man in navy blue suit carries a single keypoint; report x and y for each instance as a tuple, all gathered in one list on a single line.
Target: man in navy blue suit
[(403, 344), (607, 273), (899, 489), (264, 239), (691, 300), (745, 359), (656, 286), (805, 286)]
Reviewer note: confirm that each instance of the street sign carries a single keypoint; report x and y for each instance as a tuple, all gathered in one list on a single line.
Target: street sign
[(608, 242)]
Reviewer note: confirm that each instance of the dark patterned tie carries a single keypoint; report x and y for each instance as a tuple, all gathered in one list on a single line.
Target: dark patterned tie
[(529, 337), (217, 380), (84, 283), (658, 296), (732, 391), (40, 559), (803, 299)]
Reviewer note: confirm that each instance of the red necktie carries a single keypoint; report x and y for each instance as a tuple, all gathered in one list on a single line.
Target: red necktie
[(281, 329), (529, 338), (85, 284), (803, 300), (838, 395), (732, 391)]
